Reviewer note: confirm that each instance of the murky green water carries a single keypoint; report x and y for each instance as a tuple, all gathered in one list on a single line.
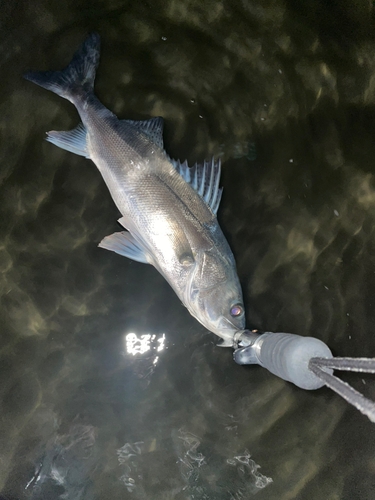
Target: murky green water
[(284, 92)]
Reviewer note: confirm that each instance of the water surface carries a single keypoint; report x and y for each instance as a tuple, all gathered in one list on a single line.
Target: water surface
[(109, 388)]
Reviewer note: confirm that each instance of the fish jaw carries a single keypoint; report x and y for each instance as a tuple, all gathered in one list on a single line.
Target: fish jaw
[(222, 327), (212, 290)]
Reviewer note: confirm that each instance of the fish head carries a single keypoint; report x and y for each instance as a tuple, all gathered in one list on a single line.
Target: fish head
[(214, 296)]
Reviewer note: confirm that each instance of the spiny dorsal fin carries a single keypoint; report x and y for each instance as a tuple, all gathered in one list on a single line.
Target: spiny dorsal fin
[(204, 178), (153, 128)]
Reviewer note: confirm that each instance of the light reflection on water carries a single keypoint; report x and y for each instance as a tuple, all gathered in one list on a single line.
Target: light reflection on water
[(143, 343)]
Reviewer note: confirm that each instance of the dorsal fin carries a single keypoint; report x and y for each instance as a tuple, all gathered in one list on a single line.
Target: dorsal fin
[(204, 178), (153, 128)]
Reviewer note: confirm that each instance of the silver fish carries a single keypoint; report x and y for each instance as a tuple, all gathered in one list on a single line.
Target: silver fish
[(168, 209)]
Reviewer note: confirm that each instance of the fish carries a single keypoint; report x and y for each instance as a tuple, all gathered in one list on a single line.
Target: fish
[(168, 209)]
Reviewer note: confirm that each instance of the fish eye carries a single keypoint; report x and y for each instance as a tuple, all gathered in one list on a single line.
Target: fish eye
[(236, 310)]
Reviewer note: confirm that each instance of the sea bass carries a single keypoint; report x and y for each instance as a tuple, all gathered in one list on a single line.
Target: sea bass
[(168, 209)]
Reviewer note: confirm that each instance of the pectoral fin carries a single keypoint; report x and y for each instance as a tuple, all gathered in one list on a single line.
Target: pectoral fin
[(124, 244), (177, 241)]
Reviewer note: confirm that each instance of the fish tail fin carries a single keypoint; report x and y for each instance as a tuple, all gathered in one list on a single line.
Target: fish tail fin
[(77, 76)]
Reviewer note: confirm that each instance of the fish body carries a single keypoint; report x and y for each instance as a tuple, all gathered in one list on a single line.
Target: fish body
[(167, 208)]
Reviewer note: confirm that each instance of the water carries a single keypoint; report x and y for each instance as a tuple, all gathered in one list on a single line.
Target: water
[(285, 93)]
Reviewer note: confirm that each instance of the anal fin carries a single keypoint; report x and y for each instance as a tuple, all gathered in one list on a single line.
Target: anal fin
[(72, 140), (124, 244)]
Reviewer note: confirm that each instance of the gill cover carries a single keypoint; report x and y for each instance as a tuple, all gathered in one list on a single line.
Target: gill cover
[(211, 292)]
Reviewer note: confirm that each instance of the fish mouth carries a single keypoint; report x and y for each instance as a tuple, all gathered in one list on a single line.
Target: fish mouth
[(222, 327), (225, 328), (223, 319)]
